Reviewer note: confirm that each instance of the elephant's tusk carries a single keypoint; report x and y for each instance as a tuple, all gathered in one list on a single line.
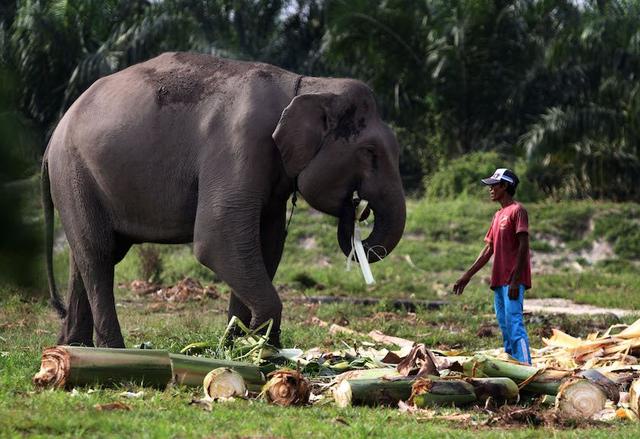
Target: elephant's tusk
[(357, 249)]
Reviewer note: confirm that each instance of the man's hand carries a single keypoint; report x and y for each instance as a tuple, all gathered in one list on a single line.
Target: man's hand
[(514, 290), (480, 262), (458, 287)]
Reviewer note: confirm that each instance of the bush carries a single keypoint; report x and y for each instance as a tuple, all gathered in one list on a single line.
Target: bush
[(461, 177), (622, 230), (419, 156)]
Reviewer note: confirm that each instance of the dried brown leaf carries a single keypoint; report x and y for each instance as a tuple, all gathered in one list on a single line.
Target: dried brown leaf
[(112, 406), (419, 358)]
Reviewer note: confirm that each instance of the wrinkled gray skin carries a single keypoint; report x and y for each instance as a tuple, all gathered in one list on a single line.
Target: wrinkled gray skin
[(192, 148)]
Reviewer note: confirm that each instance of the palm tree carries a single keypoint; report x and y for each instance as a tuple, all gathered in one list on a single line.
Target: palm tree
[(457, 70), (61, 47), (586, 143)]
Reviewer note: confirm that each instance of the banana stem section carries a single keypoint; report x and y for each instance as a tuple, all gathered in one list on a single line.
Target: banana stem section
[(222, 383), (528, 378), (427, 392), (287, 387), (190, 371), (500, 390), (69, 366), (372, 392), (634, 397), (579, 398)]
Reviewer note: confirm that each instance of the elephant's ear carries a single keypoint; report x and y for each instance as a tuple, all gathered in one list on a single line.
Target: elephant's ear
[(301, 129)]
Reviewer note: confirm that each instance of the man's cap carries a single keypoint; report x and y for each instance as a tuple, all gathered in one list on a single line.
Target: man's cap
[(502, 174)]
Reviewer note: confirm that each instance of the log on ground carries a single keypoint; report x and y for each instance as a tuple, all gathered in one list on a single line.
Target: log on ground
[(579, 398), (429, 392), (531, 379), (634, 397), (501, 390), (287, 387), (222, 383), (190, 371), (372, 392), (70, 366)]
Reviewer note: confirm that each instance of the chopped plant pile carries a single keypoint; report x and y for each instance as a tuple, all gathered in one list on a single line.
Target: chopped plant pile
[(595, 379)]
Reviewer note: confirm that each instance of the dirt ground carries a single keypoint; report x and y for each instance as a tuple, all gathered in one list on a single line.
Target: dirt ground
[(565, 306)]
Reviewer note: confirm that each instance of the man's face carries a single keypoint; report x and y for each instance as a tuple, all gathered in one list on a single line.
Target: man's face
[(496, 191)]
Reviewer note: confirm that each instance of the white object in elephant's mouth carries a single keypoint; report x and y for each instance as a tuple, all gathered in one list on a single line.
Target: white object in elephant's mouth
[(357, 249)]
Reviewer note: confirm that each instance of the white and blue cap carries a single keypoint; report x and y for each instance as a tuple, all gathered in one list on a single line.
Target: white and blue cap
[(502, 174)]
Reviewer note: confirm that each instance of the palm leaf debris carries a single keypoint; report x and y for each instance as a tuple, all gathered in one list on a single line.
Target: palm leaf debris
[(595, 378)]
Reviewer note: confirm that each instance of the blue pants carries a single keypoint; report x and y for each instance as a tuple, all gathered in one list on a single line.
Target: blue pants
[(509, 314)]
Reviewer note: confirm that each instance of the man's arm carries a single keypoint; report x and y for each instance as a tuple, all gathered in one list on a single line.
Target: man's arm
[(481, 261), (521, 262)]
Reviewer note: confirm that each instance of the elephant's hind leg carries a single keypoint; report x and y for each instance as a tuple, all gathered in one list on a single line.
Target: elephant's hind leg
[(94, 246), (97, 273), (77, 328)]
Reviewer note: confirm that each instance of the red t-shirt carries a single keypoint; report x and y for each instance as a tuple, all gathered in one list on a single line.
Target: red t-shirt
[(507, 222)]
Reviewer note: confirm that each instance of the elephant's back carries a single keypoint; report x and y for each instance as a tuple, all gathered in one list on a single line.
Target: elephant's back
[(185, 78), (172, 98), (138, 136)]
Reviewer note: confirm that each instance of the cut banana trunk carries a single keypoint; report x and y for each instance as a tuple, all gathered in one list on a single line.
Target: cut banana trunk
[(224, 383)]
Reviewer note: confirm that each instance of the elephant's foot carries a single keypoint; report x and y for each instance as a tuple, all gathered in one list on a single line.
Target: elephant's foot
[(86, 343), (111, 341), (274, 338), (235, 333), (70, 339)]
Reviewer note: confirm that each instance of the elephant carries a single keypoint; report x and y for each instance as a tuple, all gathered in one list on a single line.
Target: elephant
[(193, 148)]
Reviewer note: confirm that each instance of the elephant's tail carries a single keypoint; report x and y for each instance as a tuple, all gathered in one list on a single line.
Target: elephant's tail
[(47, 205)]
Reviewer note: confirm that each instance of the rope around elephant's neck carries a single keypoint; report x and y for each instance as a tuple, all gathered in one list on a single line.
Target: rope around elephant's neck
[(294, 196), (294, 199)]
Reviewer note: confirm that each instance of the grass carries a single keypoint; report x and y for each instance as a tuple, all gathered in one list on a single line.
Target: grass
[(441, 240)]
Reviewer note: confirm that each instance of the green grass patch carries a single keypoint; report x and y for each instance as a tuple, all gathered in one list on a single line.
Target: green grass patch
[(442, 239)]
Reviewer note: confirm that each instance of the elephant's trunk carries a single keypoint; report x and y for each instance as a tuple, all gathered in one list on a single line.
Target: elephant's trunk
[(390, 215)]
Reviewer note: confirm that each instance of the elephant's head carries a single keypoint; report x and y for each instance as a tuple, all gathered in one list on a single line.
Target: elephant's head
[(336, 143)]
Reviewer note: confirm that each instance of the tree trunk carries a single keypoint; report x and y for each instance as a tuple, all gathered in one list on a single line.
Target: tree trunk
[(579, 398), (224, 383), (69, 366), (501, 390), (368, 374), (190, 371), (535, 380), (287, 387), (372, 392), (634, 397), (427, 392)]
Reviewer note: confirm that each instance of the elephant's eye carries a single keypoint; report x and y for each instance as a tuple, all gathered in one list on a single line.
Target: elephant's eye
[(369, 152)]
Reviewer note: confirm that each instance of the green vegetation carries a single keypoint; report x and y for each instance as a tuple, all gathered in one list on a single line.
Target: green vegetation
[(620, 228), (441, 239), (551, 86)]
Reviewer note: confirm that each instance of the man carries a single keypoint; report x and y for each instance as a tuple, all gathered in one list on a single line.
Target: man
[(508, 241)]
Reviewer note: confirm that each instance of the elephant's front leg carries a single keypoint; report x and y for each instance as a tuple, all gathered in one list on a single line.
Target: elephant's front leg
[(272, 237), (228, 242)]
